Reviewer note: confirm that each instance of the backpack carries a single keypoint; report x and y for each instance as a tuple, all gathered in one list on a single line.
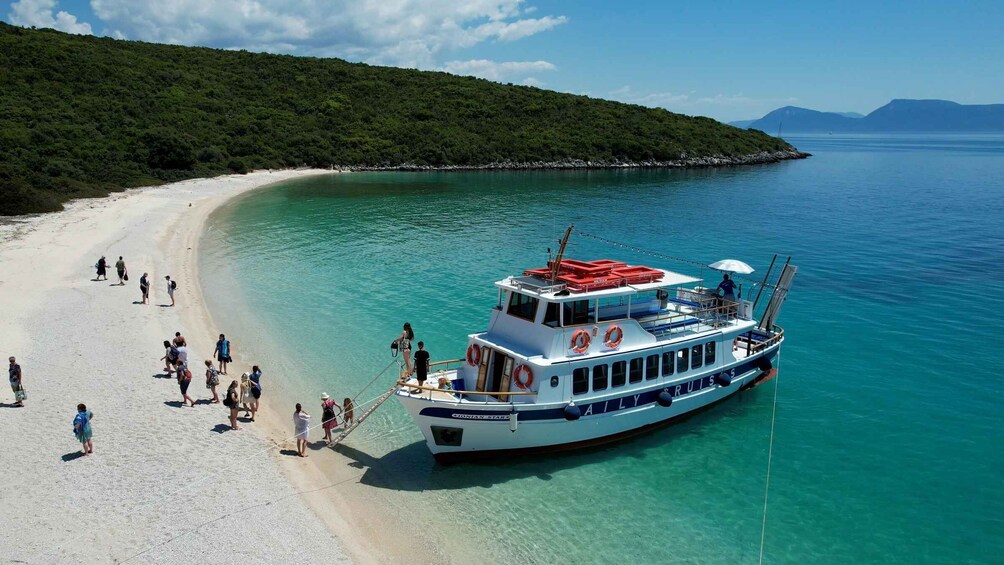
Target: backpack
[(229, 401), (174, 285), (328, 415), (173, 354)]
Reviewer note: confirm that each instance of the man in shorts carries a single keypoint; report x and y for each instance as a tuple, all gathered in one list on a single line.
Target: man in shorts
[(144, 287), (16, 382), (421, 364), (121, 269)]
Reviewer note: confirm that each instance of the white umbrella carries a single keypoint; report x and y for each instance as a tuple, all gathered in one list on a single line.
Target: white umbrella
[(732, 266)]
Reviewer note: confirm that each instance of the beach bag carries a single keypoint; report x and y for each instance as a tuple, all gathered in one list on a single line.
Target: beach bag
[(126, 277), (174, 285), (173, 354), (79, 423), (20, 395), (229, 400)]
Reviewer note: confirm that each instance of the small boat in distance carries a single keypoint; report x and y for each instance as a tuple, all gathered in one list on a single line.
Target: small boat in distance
[(580, 353)]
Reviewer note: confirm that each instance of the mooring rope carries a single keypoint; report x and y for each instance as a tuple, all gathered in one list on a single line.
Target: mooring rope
[(770, 455)]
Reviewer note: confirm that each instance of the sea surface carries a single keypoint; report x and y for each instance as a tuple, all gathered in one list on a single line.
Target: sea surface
[(889, 431)]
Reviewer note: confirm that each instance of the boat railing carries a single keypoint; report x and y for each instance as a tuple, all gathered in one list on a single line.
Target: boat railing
[(445, 365), (546, 288), (777, 333), (458, 394), (715, 316)]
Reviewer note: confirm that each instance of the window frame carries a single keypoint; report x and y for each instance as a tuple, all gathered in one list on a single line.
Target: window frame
[(654, 372), (618, 369), (682, 360), (633, 371), (515, 296), (697, 356), (668, 363), (577, 374), (606, 377)]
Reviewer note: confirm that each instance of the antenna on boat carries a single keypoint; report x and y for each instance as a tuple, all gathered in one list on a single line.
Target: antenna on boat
[(556, 264)]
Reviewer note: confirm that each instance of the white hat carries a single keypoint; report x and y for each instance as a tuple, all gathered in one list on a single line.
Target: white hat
[(324, 396)]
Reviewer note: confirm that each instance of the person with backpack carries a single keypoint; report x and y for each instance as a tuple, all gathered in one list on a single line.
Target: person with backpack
[(329, 419), (232, 401), (171, 286), (184, 379), (170, 357), (102, 267), (223, 353), (82, 428)]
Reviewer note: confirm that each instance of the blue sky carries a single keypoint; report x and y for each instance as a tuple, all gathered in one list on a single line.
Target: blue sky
[(727, 60)]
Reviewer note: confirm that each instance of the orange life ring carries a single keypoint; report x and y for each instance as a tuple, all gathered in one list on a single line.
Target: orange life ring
[(580, 341), (519, 372), (473, 355), (613, 343)]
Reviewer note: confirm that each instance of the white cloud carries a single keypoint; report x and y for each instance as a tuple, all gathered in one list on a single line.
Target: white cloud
[(498, 71), (724, 107), (412, 33), (39, 13)]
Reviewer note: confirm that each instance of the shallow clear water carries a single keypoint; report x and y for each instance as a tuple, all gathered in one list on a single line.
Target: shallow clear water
[(888, 442)]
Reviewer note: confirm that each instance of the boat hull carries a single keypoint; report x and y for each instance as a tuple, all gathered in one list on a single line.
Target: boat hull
[(465, 430)]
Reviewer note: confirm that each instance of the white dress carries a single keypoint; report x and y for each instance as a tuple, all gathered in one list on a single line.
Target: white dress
[(301, 425)]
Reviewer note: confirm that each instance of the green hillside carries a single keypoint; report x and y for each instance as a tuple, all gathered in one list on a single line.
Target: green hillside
[(81, 116)]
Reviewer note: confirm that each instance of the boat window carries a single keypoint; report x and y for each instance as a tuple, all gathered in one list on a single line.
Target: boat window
[(651, 367), (637, 370), (709, 353), (645, 304), (697, 356), (612, 308), (551, 315), (576, 312), (618, 374), (667, 363), (681, 360), (580, 380), (599, 377), (522, 306)]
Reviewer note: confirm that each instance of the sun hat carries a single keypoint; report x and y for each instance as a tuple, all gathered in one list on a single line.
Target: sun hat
[(324, 396)]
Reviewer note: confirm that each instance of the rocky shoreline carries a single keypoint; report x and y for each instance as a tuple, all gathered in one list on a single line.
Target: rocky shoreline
[(684, 162)]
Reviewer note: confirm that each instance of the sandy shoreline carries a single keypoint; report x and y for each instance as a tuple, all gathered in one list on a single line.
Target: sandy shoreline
[(166, 484)]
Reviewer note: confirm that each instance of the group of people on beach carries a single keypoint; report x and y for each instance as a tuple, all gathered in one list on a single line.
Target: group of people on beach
[(144, 281)]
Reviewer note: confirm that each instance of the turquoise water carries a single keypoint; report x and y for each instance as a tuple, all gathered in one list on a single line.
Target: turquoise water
[(888, 442)]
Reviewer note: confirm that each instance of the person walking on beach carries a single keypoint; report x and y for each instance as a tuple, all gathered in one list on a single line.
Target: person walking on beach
[(421, 364), (102, 267), (404, 346), (329, 419), (120, 268), (170, 357), (212, 380), (171, 285), (17, 382), (223, 352), (144, 287), (232, 401), (182, 352), (82, 429), (348, 409), (301, 427), (184, 379), (254, 382)]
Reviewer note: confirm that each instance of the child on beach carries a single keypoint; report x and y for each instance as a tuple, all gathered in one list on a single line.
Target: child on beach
[(82, 429), (348, 408), (184, 379), (329, 419), (212, 380), (301, 427), (232, 401)]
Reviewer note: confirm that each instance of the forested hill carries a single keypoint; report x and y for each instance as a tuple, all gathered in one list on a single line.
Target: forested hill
[(82, 115)]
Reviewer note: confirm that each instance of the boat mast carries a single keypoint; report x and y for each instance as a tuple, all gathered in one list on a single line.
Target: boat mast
[(556, 265)]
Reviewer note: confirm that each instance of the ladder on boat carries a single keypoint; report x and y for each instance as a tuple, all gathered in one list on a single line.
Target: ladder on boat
[(376, 404)]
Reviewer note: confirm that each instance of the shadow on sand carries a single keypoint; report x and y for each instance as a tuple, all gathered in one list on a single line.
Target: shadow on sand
[(174, 403), (71, 456), (221, 428)]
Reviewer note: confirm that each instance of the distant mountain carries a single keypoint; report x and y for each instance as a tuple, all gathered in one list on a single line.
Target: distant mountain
[(897, 116)]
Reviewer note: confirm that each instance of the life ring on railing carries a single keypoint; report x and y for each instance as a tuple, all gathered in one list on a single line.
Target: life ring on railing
[(517, 376), (474, 355), (580, 341), (608, 338)]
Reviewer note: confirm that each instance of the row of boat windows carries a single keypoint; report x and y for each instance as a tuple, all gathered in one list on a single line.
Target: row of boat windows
[(636, 370), (578, 311)]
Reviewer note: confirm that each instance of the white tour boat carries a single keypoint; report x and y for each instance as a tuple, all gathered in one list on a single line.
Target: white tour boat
[(581, 353)]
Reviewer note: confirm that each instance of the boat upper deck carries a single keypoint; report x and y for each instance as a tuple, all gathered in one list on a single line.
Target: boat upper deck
[(575, 280)]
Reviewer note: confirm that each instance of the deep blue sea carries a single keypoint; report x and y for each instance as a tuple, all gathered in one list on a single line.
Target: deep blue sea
[(889, 431)]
